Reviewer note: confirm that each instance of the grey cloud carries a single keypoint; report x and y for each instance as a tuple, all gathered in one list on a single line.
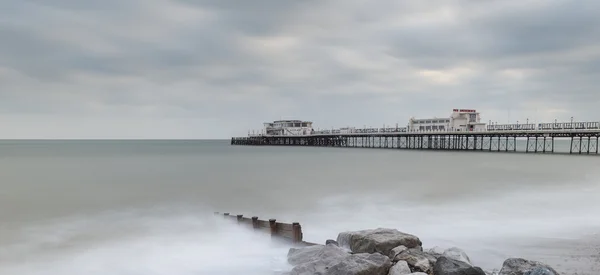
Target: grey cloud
[(333, 62)]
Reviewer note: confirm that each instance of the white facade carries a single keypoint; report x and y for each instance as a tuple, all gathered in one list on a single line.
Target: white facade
[(459, 120), (429, 124), (288, 128)]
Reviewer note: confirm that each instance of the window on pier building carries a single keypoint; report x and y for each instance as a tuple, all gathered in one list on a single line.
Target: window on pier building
[(472, 117)]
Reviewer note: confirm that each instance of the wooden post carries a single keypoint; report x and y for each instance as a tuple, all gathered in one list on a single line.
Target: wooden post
[(255, 222), (239, 218), (273, 226), (225, 215), (296, 232)]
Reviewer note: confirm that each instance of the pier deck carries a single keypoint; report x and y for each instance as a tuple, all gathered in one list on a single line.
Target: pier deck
[(532, 141)]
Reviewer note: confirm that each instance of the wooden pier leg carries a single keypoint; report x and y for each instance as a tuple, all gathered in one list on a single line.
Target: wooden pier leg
[(465, 142), (544, 144), (589, 141), (536, 144), (571, 151), (506, 144), (456, 142), (225, 215), (296, 232), (239, 218), (580, 142), (498, 143), (527, 148), (273, 226), (255, 224), (597, 139)]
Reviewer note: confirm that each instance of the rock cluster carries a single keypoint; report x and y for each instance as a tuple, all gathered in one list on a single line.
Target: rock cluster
[(391, 252)]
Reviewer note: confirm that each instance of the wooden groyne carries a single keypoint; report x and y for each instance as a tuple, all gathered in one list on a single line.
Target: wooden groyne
[(290, 232)]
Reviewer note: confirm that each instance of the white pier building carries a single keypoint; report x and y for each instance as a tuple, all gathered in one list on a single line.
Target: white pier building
[(288, 128), (459, 120)]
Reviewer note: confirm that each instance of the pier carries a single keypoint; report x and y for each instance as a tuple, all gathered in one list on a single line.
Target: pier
[(463, 130), (531, 141)]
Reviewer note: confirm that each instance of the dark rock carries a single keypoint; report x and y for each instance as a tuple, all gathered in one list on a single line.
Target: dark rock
[(435, 251), (518, 266), (458, 254), (540, 271), (361, 264), (396, 251), (332, 242), (400, 268), (417, 259), (380, 240), (447, 266)]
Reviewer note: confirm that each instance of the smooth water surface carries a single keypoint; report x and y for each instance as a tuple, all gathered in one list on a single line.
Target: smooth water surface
[(145, 207)]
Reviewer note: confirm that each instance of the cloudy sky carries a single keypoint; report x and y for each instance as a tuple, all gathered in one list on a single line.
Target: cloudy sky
[(213, 69)]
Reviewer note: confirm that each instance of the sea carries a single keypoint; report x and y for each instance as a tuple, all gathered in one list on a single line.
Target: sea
[(146, 207)]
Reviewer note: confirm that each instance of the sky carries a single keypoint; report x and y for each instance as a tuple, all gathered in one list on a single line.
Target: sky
[(185, 69)]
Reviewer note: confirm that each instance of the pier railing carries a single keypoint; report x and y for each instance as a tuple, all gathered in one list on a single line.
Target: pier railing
[(291, 232)]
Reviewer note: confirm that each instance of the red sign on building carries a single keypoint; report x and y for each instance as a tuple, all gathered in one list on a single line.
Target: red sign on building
[(464, 111)]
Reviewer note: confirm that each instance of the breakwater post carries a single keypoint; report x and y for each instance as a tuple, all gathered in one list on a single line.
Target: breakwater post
[(291, 232)]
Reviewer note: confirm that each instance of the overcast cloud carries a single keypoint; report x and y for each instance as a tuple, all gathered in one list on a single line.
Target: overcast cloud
[(213, 69)]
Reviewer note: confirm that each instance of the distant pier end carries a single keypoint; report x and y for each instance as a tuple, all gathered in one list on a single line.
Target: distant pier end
[(461, 131)]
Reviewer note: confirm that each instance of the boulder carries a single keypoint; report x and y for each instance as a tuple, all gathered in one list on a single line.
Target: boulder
[(396, 251), (435, 251), (380, 240), (518, 266), (458, 254), (540, 271), (331, 242), (417, 260), (447, 266), (361, 264), (315, 259), (400, 268)]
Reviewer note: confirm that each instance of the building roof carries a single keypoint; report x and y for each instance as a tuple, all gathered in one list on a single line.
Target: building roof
[(294, 121)]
